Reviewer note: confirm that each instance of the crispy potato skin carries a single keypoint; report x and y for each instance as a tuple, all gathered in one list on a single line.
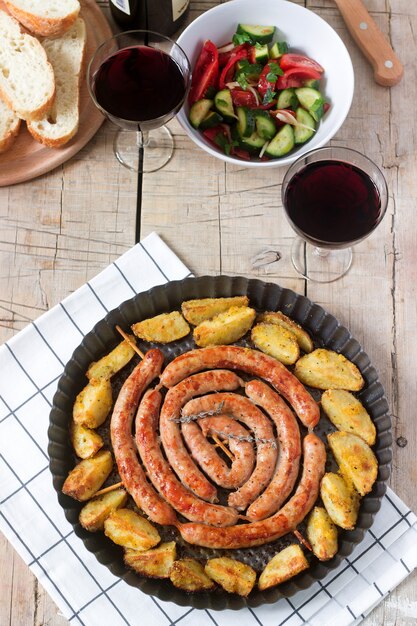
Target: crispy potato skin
[(340, 499), (347, 413), (85, 441), (162, 328), (96, 511), (112, 362), (277, 341), (93, 403), (284, 565), (130, 530), (276, 317), (189, 575), (88, 476), (197, 311), (153, 563), (224, 328), (356, 460), (232, 575), (326, 369), (322, 534)]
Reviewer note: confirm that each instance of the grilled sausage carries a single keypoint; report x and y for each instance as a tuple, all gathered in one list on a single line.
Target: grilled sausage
[(279, 524), (244, 410), (130, 470), (162, 476), (286, 471), (176, 452), (252, 362)]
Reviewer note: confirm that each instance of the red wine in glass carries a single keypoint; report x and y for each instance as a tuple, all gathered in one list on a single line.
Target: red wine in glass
[(333, 197), (139, 84), (333, 203)]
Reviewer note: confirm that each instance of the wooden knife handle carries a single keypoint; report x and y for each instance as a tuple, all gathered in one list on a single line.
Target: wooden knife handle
[(388, 69)]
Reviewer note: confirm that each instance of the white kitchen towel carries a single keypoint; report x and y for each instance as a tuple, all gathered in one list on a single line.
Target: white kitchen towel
[(32, 520)]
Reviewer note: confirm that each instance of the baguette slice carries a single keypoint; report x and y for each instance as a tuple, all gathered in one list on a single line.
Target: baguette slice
[(9, 126), (66, 56), (27, 83), (49, 18)]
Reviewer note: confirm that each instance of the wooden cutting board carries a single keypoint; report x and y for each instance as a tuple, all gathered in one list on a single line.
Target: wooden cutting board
[(27, 159)]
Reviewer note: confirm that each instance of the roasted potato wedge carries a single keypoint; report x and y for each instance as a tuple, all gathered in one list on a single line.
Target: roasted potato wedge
[(284, 565), (322, 534), (162, 328), (97, 510), (276, 341), (130, 530), (225, 327), (325, 369), (85, 441), (347, 413), (276, 317), (93, 403), (340, 499), (88, 476), (355, 459), (154, 563), (189, 575), (112, 362), (232, 575), (197, 311)]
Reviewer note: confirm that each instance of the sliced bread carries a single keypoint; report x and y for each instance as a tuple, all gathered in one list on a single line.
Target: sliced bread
[(27, 82), (66, 56), (9, 126), (48, 18)]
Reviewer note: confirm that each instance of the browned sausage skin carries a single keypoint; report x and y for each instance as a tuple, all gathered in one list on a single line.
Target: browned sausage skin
[(252, 362), (286, 471), (130, 470), (205, 454), (170, 432), (243, 409), (162, 476), (272, 528)]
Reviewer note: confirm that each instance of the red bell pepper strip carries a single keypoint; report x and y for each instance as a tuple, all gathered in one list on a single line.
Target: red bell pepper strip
[(263, 83), (227, 73), (206, 72), (289, 61), (224, 57), (295, 77)]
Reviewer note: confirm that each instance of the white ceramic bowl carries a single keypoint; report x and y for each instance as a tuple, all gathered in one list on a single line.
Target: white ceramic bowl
[(305, 33)]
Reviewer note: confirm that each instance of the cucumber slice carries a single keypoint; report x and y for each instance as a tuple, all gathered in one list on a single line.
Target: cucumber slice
[(212, 119), (265, 125), (313, 83), (278, 49), (312, 100), (302, 134), (245, 122), (287, 99), (262, 54), (224, 105), (253, 143), (257, 33), (199, 111), (282, 143)]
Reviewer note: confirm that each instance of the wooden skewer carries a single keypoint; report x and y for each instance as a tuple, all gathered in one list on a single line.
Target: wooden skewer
[(107, 489), (221, 445), (130, 342), (302, 540)]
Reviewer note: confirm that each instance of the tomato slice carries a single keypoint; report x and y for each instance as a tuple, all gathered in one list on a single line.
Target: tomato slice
[(289, 61), (263, 83), (206, 72), (295, 77), (243, 98), (228, 71), (224, 57)]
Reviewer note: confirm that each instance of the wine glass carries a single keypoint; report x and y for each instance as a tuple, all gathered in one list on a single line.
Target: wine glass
[(140, 79), (333, 198)]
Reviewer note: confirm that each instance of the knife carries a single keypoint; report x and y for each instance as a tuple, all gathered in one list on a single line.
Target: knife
[(388, 69)]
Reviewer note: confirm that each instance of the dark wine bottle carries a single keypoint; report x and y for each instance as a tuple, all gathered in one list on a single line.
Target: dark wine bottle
[(161, 16)]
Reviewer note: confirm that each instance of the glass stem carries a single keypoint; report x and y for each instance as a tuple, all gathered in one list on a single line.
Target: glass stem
[(142, 138)]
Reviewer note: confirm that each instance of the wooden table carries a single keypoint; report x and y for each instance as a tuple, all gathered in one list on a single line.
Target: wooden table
[(59, 230)]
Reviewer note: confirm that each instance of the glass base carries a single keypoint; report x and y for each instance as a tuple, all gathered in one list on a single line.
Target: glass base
[(320, 265), (153, 155)]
